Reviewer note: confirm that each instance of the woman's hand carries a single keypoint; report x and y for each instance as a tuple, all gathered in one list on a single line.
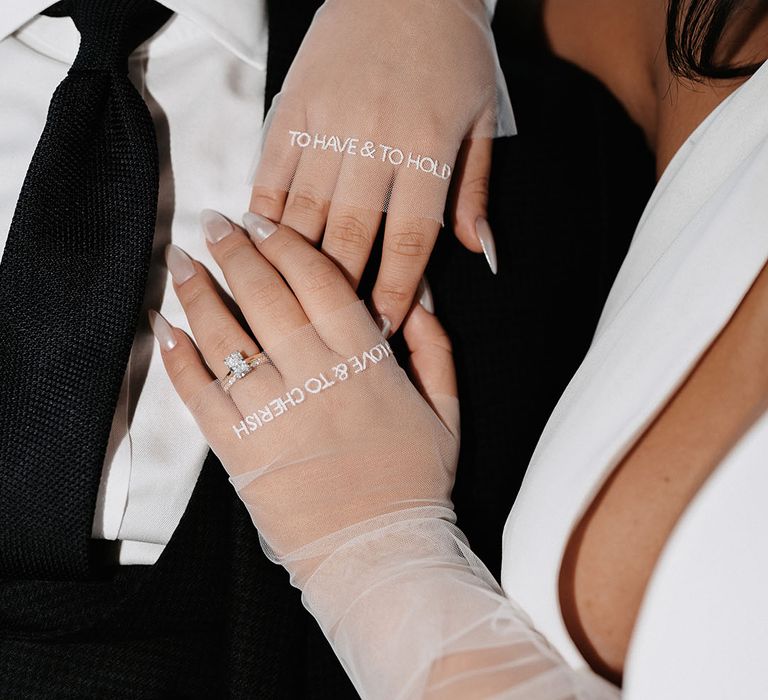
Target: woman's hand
[(326, 432), (347, 471), (386, 105)]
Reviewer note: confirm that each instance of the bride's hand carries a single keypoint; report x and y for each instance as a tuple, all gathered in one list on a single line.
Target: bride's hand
[(385, 105), (325, 433), (347, 470)]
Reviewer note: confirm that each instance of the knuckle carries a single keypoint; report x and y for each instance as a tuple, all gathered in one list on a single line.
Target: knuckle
[(266, 291), (261, 196), (307, 200), (350, 234), (395, 296), (477, 186), (287, 246), (319, 275), (282, 250), (193, 295), (410, 242), (232, 253)]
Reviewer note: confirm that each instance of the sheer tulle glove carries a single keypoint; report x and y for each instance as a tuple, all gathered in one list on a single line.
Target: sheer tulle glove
[(372, 117), (346, 470)]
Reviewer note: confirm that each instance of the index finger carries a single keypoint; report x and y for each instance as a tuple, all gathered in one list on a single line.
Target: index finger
[(318, 284)]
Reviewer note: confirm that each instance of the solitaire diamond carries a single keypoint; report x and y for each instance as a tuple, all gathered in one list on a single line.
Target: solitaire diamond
[(237, 365)]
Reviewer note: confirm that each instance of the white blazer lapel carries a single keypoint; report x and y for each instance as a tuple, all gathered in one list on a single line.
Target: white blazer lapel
[(701, 242), (715, 150)]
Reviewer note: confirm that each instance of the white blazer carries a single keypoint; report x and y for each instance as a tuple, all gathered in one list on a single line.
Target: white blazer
[(702, 631)]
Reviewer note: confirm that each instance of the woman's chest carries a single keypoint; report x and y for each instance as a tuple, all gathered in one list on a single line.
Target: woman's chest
[(613, 549)]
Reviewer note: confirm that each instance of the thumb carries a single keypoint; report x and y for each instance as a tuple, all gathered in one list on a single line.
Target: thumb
[(432, 365), (470, 199)]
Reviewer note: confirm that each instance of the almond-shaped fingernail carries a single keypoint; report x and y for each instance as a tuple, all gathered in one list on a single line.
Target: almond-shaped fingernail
[(384, 324), (215, 226), (180, 265), (485, 236), (425, 296), (163, 331), (259, 227)]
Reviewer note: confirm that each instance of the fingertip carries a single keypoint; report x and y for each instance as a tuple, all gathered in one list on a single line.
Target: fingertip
[(423, 328), (164, 332), (431, 358), (215, 225), (389, 316), (424, 295), (259, 227), (391, 303), (267, 202), (181, 359), (385, 325), (413, 327), (471, 188), (465, 230), (488, 243)]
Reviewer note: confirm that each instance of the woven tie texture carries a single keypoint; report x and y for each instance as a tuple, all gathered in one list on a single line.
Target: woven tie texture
[(72, 281)]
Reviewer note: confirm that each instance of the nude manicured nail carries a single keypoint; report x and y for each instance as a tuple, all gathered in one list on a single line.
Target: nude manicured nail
[(425, 296), (385, 325), (259, 227), (485, 236), (215, 226), (179, 263), (163, 331)]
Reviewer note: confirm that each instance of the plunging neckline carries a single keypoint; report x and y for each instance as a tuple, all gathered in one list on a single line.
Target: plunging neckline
[(634, 331), (586, 632), (677, 381)]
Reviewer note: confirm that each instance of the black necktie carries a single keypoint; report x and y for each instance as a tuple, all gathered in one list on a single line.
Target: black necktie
[(72, 281)]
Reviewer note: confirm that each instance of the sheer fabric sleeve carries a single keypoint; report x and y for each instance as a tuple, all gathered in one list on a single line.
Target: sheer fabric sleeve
[(412, 613), (347, 471)]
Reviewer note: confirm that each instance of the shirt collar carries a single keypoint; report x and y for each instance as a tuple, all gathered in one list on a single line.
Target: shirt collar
[(240, 25)]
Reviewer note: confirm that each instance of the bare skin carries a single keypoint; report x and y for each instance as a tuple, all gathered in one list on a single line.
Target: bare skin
[(613, 550)]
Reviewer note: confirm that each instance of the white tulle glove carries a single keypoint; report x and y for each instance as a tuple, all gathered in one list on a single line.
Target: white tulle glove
[(385, 105), (378, 101), (347, 470)]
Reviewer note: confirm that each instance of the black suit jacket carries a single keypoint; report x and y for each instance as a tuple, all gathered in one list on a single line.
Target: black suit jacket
[(214, 618)]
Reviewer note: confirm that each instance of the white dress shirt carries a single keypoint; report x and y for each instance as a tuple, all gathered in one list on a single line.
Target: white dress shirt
[(203, 78), (702, 630)]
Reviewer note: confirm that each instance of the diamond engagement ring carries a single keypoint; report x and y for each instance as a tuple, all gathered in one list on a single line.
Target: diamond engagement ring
[(239, 367)]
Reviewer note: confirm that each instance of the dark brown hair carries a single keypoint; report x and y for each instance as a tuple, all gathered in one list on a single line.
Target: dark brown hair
[(695, 32)]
